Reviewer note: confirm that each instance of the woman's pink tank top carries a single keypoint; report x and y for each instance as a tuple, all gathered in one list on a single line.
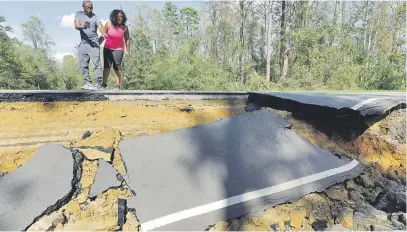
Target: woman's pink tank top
[(115, 37)]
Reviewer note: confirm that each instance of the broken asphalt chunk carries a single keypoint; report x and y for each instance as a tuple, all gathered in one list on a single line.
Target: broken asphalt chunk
[(86, 135), (106, 178), (42, 185)]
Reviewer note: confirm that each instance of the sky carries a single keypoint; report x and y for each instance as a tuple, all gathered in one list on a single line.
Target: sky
[(57, 17)]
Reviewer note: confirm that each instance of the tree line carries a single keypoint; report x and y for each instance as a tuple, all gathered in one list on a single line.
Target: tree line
[(227, 46)]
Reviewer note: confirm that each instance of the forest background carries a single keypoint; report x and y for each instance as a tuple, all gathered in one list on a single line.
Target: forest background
[(233, 46)]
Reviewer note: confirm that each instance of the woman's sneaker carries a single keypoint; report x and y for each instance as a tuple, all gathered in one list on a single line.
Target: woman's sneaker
[(97, 87), (116, 87)]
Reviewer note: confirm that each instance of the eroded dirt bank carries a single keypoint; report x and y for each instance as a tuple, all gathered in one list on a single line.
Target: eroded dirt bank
[(373, 201), (27, 125)]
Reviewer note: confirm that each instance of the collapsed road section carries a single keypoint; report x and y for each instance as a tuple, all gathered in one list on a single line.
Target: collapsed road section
[(365, 104), (220, 169), (194, 177), (351, 114)]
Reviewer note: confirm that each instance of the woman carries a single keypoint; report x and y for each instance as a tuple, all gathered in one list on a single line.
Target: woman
[(117, 37)]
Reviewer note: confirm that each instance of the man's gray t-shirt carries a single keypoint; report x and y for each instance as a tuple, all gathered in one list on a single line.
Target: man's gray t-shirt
[(89, 35)]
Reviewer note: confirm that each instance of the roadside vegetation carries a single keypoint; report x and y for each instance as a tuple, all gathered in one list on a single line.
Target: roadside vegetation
[(227, 46)]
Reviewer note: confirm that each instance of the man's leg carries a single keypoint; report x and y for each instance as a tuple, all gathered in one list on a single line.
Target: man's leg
[(83, 58), (94, 53)]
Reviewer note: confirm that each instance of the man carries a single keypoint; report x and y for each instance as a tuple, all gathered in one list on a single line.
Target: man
[(87, 23)]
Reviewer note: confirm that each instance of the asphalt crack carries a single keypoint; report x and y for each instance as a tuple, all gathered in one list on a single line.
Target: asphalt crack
[(75, 188)]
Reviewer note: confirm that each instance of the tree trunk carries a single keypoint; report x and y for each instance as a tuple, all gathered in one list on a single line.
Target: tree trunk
[(405, 61), (305, 15), (366, 24), (214, 38), (242, 47), (343, 19), (282, 35), (263, 50), (377, 29), (404, 71), (283, 39), (370, 35), (335, 19), (285, 66), (269, 45)]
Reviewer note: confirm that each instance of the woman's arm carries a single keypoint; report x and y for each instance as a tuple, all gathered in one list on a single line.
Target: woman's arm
[(128, 47), (127, 40), (103, 37), (106, 27)]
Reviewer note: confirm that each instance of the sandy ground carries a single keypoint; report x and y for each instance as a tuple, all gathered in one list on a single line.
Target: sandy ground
[(26, 126)]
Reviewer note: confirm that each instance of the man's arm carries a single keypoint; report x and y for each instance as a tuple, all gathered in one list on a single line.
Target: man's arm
[(78, 25)]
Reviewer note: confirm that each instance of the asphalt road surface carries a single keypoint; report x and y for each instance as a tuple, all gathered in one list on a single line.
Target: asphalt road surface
[(28, 191), (192, 178)]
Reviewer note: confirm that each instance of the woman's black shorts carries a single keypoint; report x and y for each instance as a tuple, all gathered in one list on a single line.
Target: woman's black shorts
[(112, 57)]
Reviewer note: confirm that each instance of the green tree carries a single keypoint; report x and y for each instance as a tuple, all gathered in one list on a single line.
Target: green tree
[(190, 20), (70, 74), (41, 71), (173, 26), (137, 68), (40, 74), (170, 13), (8, 67), (34, 32)]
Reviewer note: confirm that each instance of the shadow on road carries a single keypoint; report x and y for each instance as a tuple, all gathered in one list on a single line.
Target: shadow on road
[(252, 157)]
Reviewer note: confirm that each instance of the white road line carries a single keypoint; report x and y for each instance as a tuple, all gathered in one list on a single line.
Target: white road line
[(165, 220), (360, 104)]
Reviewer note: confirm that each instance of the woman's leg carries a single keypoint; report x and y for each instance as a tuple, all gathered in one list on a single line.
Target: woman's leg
[(117, 57), (118, 76), (108, 60), (106, 72)]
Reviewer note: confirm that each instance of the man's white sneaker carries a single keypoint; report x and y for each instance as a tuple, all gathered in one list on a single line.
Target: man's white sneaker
[(87, 86)]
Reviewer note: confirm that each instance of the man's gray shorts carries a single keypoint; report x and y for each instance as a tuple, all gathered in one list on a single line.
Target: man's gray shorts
[(87, 52)]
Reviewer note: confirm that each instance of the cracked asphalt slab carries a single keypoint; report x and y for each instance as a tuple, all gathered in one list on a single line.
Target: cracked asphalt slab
[(106, 178), (192, 178), (42, 183), (365, 103)]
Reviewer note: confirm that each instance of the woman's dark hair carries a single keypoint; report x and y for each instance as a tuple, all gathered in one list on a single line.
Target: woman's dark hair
[(113, 17)]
